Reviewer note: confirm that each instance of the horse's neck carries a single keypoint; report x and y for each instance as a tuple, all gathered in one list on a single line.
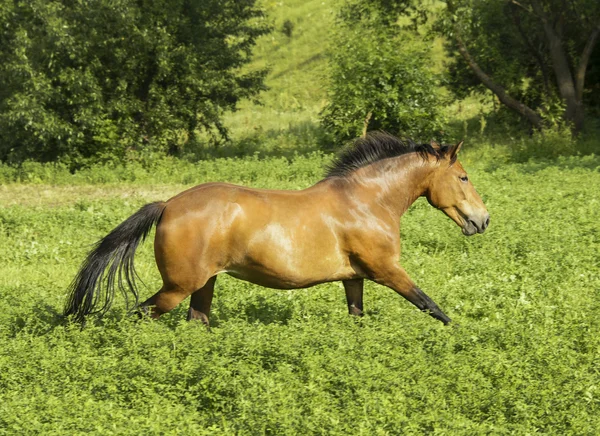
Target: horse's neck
[(395, 183)]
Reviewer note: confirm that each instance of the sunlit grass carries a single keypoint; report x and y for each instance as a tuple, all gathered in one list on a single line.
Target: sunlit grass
[(296, 81), (293, 362)]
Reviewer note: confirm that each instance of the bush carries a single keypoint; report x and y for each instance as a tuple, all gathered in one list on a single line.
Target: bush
[(381, 76)]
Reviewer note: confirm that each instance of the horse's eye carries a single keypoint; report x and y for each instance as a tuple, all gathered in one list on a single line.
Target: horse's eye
[(464, 179)]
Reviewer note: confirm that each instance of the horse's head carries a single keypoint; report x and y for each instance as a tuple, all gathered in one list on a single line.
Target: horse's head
[(451, 191)]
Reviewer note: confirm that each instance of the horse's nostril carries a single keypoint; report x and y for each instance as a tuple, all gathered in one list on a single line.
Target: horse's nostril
[(487, 222)]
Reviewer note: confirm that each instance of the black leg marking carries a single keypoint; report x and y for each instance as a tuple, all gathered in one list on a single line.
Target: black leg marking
[(354, 296), (427, 305)]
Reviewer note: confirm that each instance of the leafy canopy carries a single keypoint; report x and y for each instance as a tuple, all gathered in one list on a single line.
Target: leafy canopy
[(537, 50), (84, 80)]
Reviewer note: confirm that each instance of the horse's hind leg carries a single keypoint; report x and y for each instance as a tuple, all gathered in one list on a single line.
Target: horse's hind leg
[(200, 302), (164, 300), (354, 296), (169, 296)]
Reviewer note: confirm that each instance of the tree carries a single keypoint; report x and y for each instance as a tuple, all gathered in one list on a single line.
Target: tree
[(536, 56), (527, 52), (92, 79), (380, 76)]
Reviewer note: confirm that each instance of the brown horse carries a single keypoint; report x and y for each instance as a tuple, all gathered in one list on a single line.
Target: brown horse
[(346, 227)]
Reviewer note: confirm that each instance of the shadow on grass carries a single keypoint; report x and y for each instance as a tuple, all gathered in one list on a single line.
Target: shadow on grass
[(43, 319), (256, 310), (312, 59), (37, 321), (503, 140)]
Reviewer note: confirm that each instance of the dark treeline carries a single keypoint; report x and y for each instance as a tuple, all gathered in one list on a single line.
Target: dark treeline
[(539, 58)]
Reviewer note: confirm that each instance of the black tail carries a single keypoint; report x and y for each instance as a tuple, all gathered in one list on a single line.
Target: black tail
[(111, 261)]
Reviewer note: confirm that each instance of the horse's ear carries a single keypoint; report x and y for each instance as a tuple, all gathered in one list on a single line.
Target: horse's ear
[(454, 151), (435, 145)]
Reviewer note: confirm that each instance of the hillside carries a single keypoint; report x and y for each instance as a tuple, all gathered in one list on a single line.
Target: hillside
[(287, 115), (286, 118)]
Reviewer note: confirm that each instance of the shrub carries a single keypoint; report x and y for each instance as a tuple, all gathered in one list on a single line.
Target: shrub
[(381, 77)]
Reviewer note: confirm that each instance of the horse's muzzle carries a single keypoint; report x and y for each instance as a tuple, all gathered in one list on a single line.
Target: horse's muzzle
[(476, 225)]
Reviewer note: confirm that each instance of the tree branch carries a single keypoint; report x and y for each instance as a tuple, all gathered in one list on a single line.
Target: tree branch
[(561, 67), (538, 11), (497, 89), (582, 18), (516, 3)]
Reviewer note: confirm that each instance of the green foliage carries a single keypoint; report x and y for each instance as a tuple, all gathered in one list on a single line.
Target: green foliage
[(381, 74), (385, 12), (523, 361), (508, 41), (550, 143), (287, 28), (488, 28), (94, 79)]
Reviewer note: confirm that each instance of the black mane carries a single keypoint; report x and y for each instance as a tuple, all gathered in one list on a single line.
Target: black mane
[(377, 146)]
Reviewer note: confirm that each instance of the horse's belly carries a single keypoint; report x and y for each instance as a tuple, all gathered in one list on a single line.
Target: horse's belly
[(287, 252), (284, 265), (286, 279)]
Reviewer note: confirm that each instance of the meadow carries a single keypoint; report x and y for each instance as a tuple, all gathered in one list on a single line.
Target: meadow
[(523, 357)]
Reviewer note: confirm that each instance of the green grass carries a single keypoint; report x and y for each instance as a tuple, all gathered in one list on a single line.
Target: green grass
[(526, 296)]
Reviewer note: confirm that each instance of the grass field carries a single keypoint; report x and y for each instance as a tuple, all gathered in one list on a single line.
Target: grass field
[(524, 359)]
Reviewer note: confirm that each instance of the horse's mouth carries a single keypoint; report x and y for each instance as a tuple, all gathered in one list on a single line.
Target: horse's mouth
[(468, 224), (469, 228)]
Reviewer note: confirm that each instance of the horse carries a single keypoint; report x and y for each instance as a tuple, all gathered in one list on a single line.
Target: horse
[(344, 228)]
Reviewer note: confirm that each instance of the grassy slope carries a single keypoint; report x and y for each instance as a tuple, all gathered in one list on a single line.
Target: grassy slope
[(288, 114)]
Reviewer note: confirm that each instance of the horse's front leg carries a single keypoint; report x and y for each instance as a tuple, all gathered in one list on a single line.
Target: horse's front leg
[(354, 296), (201, 301), (394, 277)]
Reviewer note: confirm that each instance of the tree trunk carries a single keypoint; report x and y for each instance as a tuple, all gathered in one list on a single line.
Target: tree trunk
[(366, 124), (560, 63), (580, 78), (564, 78), (583, 62)]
